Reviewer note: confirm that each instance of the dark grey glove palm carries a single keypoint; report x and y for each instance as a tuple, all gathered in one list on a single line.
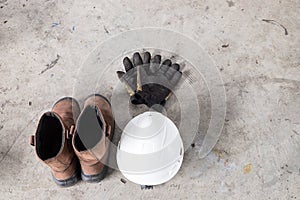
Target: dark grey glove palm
[(148, 80)]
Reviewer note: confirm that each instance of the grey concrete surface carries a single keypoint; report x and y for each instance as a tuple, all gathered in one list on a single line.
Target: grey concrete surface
[(258, 153)]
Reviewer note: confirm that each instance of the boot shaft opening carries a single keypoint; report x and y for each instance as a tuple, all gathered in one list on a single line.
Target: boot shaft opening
[(49, 136), (89, 129)]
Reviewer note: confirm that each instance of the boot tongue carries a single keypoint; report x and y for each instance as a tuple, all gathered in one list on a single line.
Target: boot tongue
[(89, 129)]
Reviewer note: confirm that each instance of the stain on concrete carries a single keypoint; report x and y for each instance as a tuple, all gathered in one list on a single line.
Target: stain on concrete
[(123, 180), (230, 3), (105, 29), (52, 64), (247, 169)]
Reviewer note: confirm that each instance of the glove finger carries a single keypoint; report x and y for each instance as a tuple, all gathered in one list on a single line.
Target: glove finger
[(127, 81), (176, 66), (137, 59), (147, 57), (176, 77), (120, 74), (164, 69), (156, 59), (146, 60), (167, 62), (154, 67), (165, 66), (170, 73), (127, 64), (172, 70), (155, 62)]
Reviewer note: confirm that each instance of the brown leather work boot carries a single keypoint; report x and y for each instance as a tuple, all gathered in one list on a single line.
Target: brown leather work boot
[(53, 143), (91, 141)]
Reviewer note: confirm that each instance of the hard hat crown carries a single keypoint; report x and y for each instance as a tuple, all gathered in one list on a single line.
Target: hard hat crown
[(150, 151)]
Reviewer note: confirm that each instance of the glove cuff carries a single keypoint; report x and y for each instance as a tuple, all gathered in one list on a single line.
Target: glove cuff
[(136, 99)]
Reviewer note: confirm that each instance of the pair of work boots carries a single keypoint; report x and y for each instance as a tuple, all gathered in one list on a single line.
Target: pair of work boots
[(74, 143)]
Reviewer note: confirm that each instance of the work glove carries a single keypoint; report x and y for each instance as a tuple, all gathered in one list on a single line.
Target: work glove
[(149, 81)]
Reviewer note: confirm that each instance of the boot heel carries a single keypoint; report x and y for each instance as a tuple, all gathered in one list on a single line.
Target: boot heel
[(68, 182), (95, 178)]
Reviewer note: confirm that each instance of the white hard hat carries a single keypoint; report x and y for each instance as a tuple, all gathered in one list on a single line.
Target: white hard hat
[(150, 151)]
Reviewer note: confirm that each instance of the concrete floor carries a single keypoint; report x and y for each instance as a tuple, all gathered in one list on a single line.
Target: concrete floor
[(258, 153)]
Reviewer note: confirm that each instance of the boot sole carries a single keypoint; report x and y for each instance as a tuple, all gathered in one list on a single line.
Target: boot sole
[(95, 178), (68, 182)]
